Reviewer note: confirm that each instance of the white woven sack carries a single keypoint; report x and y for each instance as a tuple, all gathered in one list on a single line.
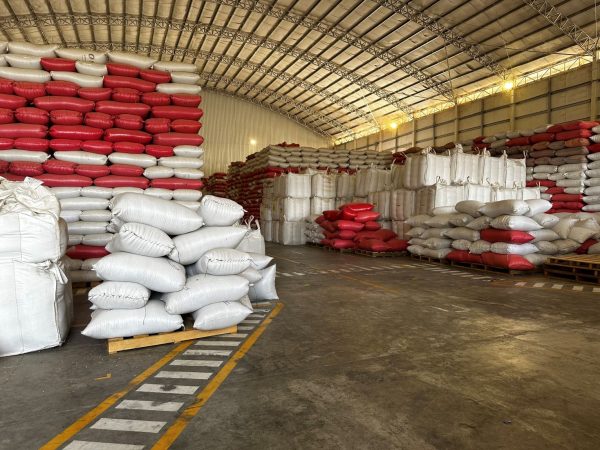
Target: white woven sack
[(436, 253), (97, 239), (470, 207), (434, 233), (201, 290), (223, 261), (157, 274), (149, 319), (294, 209), (26, 48), (157, 172), (537, 206), (416, 250), (505, 207), (81, 79), (133, 59), (95, 215), (465, 167), (217, 211), (563, 227), (191, 246), (90, 68), (566, 246), (31, 75), (251, 274), (184, 77), (70, 216), (180, 162), (546, 247), (580, 233), (172, 66), (520, 223), (460, 219), (141, 239), (441, 221), (119, 295), (97, 192), (80, 157), (82, 55), (505, 248), (178, 88), (418, 221), (188, 151), (480, 223), (30, 237), (83, 203), (66, 192), (187, 195), (479, 247), (220, 315), (537, 259), (87, 227), (265, 288), (594, 249), (253, 241), (324, 185), (260, 261), (437, 243), (165, 215), (461, 244), (463, 233), (546, 220), (23, 155), (74, 239), (23, 61), (144, 161), (127, 190), (165, 194)]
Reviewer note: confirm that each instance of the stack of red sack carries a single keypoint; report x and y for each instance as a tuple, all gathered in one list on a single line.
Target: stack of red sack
[(355, 225), (216, 184)]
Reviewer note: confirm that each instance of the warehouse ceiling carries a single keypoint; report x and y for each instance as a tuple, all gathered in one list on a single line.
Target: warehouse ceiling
[(338, 67)]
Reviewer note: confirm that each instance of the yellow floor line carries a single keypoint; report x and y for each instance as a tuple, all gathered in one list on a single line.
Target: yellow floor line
[(188, 414)]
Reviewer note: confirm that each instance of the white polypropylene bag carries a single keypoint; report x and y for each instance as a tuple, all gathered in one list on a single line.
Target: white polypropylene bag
[(191, 246), (178, 88), (470, 207), (150, 319), (566, 246), (254, 241), (521, 223), (23, 155), (188, 151), (220, 315), (90, 68), (184, 77), (505, 248), (31, 75), (27, 48), (180, 162), (251, 274), (265, 288), (23, 61), (95, 215), (66, 192), (172, 66), (546, 248), (505, 207), (157, 172), (201, 290), (218, 212), (461, 244), (223, 261), (480, 223), (133, 59), (188, 174), (119, 295), (187, 195), (194, 206), (144, 161), (537, 206), (96, 192), (165, 194), (83, 203), (87, 227), (563, 227), (157, 274), (97, 239), (81, 79), (82, 55), (80, 157), (70, 216), (546, 220), (260, 260), (463, 233), (141, 239), (479, 247), (544, 235)]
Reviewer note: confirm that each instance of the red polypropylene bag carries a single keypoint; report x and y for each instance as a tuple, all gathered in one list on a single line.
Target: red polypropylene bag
[(6, 143), (62, 87), (26, 169), (13, 177), (578, 125), (122, 70), (32, 115), (185, 126), (66, 117), (29, 90), (594, 148), (346, 234), (319, 219), (557, 128), (114, 108), (513, 262), (177, 112), (157, 125), (567, 198), (50, 103), (176, 183), (6, 115), (583, 248), (524, 140), (126, 170), (98, 120), (81, 132), (57, 167), (461, 256), (4, 166), (7, 86), (349, 225), (191, 100), (58, 64), (129, 122), (331, 215), (52, 180), (94, 93), (535, 183), (342, 244), (159, 151), (542, 137), (32, 144), (119, 134), (555, 190), (372, 225), (81, 251), (128, 147), (510, 236), (175, 139), (92, 171), (155, 76), (328, 226), (357, 207), (119, 181), (373, 245), (156, 99), (12, 101), (398, 245), (17, 130), (99, 147), (566, 135), (382, 234), (366, 216), (113, 81), (126, 95)]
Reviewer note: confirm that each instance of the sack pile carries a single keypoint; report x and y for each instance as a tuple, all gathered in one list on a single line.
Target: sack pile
[(36, 307), (167, 260), (217, 184)]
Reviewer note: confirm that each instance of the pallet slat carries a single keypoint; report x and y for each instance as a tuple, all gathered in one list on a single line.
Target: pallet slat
[(582, 268)]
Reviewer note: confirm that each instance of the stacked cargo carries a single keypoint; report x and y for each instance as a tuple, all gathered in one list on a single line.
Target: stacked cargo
[(216, 184), (290, 208)]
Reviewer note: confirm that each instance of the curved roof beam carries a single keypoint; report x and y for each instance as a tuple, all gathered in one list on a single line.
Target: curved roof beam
[(210, 30)]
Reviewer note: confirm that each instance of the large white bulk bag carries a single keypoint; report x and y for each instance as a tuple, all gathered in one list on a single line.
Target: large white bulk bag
[(318, 205), (141, 239), (324, 185), (253, 241), (465, 167), (478, 192), (265, 288), (291, 233), (223, 261), (83, 203), (293, 185), (144, 161), (220, 315), (191, 246), (139, 61), (165, 215), (436, 196), (119, 295), (267, 229), (515, 172), (381, 203), (426, 169), (29, 237), (81, 55), (402, 204), (219, 212), (505, 207), (80, 157), (294, 209), (345, 185), (157, 274), (150, 319), (201, 290), (494, 169)]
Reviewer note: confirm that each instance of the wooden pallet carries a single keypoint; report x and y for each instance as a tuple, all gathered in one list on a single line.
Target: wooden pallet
[(582, 268), (315, 244), (359, 251), (494, 269), (150, 340), (338, 250), (430, 259)]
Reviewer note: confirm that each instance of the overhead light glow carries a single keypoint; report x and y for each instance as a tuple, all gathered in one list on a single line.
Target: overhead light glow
[(393, 125), (508, 85), (252, 141)]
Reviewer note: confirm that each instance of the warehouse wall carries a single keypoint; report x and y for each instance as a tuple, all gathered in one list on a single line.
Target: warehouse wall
[(563, 97), (230, 123)]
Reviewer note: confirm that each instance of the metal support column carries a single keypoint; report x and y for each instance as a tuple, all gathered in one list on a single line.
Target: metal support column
[(594, 89)]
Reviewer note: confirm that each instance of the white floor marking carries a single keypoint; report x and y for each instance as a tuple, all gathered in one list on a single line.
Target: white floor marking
[(334, 271), (218, 343), (250, 321), (207, 352), (243, 328), (298, 273), (557, 286), (90, 445), (256, 315), (323, 271), (578, 288), (235, 335), (596, 289), (183, 375), (538, 285), (146, 405), (139, 426), (285, 274), (195, 363), (167, 389), (520, 283)]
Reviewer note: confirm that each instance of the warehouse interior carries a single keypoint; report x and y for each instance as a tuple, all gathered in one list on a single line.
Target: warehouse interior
[(299, 224)]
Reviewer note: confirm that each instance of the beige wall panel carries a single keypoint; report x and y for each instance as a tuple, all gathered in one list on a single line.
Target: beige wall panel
[(496, 115), (466, 109), (445, 129), (571, 78), (469, 122), (404, 141), (576, 112), (445, 116), (530, 122), (496, 101), (468, 135), (531, 106), (426, 134), (388, 146), (570, 96), (497, 128), (424, 122), (531, 90), (405, 128)]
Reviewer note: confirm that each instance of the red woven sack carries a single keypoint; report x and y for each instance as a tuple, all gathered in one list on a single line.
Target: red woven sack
[(159, 151), (583, 248), (125, 170), (80, 132), (66, 117), (177, 112), (175, 139), (29, 90), (577, 142), (6, 143), (190, 100), (32, 115), (92, 171), (398, 245), (366, 216), (510, 236), (328, 226), (371, 225), (593, 148), (176, 183), (7, 86), (346, 234), (514, 262), (12, 101), (13, 177), (332, 214), (26, 169), (155, 76), (342, 244), (113, 81), (319, 219), (50, 103), (555, 190), (99, 147), (4, 166), (119, 181), (373, 245), (542, 137), (555, 129), (579, 125), (157, 125), (349, 225), (58, 64), (52, 180), (32, 144), (60, 87), (81, 251), (120, 134), (6, 115), (17, 130), (129, 122), (567, 198), (156, 99), (185, 126), (128, 147), (122, 70), (125, 95), (357, 207), (535, 183), (114, 108), (95, 94), (98, 120), (566, 135), (524, 140), (54, 166)]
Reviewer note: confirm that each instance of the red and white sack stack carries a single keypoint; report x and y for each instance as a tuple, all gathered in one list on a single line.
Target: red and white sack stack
[(216, 184)]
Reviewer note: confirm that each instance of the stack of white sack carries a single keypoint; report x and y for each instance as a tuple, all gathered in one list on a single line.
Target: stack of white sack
[(314, 231), (369, 181), (36, 306), (323, 192), (290, 208), (158, 242), (592, 183)]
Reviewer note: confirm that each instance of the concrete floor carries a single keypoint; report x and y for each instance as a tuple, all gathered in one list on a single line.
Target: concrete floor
[(383, 358)]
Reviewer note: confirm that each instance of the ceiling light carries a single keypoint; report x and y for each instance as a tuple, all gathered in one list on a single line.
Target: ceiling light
[(508, 85), (252, 141), (393, 125)]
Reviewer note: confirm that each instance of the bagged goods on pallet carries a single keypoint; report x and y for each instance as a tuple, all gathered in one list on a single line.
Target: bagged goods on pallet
[(119, 295), (142, 240), (190, 247), (253, 241), (218, 211), (222, 314), (265, 288), (223, 261)]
